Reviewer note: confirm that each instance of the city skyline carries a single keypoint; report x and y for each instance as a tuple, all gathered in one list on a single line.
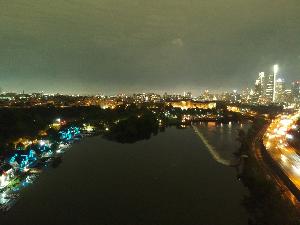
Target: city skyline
[(174, 90), (274, 76)]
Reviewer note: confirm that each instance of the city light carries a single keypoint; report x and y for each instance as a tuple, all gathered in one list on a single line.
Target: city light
[(42, 142), (280, 150), (283, 158), (276, 69), (296, 169)]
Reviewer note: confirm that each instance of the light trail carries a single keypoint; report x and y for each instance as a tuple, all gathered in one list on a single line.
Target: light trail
[(211, 149), (286, 156)]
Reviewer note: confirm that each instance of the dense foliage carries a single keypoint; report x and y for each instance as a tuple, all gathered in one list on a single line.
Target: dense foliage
[(134, 128)]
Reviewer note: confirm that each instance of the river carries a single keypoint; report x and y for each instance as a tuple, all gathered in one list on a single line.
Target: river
[(169, 179)]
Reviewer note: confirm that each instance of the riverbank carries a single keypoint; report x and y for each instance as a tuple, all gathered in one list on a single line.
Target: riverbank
[(24, 164), (266, 202)]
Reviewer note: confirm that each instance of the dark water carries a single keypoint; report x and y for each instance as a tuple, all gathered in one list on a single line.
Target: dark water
[(223, 137), (169, 179)]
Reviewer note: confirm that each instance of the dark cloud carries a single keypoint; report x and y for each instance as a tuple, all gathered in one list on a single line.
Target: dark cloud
[(109, 46)]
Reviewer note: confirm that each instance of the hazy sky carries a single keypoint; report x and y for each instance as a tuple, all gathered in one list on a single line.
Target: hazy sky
[(113, 46)]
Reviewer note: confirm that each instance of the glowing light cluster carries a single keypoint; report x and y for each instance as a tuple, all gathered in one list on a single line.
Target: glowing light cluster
[(24, 159), (88, 128), (69, 134)]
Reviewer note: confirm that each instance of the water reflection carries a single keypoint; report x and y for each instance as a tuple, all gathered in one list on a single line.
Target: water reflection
[(224, 139), (223, 136)]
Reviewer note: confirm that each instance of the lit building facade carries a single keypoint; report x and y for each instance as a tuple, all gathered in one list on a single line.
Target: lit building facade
[(280, 90), (192, 104), (296, 90), (270, 88), (260, 88)]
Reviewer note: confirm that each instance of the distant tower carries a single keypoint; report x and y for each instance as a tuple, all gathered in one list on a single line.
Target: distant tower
[(280, 90), (189, 95), (296, 90), (276, 68), (270, 87), (260, 87)]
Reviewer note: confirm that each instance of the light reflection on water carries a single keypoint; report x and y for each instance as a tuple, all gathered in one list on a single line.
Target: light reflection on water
[(223, 136)]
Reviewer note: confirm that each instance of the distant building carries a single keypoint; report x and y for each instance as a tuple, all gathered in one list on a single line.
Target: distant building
[(269, 88), (8, 96), (192, 104), (288, 96), (206, 96), (280, 90), (260, 88), (260, 84), (296, 90), (187, 95), (146, 97)]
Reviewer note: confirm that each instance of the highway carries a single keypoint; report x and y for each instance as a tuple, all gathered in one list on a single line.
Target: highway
[(275, 140)]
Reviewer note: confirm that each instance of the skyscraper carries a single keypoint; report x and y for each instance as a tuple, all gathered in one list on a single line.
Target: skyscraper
[(271, 85), (275, 68), (270, 92), (296, 90), (280, 90), (259, 89)]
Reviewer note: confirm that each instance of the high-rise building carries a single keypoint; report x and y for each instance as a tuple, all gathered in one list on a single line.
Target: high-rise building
[(275, 68), (288, 97), (259, 89), (271, 85), (296, 90), (269, 88), (280, 90)]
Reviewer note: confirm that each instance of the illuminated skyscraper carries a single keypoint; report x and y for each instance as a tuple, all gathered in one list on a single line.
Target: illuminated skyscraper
[(296, 90), (259, 89), (275, 68), (280, 90), (269, 87)]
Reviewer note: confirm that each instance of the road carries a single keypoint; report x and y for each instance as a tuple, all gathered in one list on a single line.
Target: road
[(275, 138)]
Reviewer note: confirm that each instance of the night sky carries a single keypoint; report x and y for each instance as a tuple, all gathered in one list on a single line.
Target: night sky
[(114, 46)]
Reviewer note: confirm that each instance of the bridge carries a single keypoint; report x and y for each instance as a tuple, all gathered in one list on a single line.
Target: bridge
[(214, 153)]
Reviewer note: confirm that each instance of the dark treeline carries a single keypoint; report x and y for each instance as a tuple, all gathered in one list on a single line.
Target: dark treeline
[(27, 122), (260, 109), (17, 122), (265, 202), (134, 128)]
